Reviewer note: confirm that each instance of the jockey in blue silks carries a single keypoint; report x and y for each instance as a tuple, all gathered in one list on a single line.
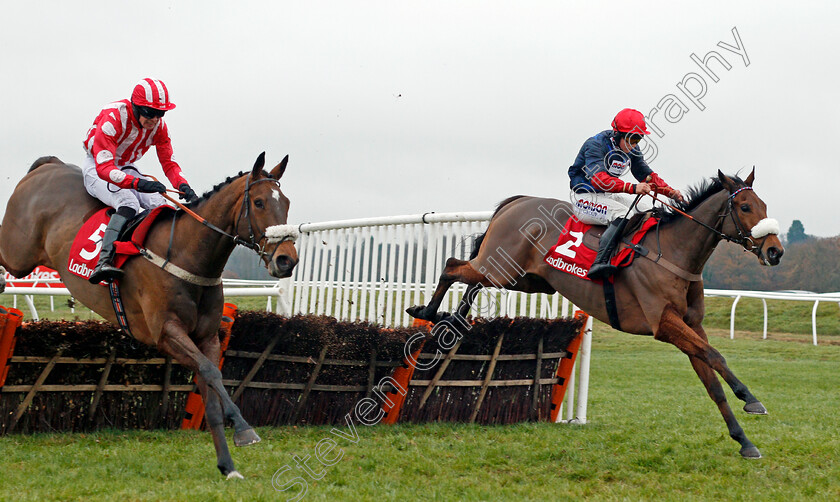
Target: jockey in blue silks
[(600, 196)]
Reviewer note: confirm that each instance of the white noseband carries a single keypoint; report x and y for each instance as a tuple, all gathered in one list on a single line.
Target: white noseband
[(282, 233), (765, 227)]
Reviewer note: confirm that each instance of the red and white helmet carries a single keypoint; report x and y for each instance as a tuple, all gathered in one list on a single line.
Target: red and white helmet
[(152, 93), (630, 121)]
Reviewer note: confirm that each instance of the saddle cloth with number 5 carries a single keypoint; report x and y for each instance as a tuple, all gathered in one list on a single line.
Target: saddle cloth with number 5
[(575, 251), (88, 242)]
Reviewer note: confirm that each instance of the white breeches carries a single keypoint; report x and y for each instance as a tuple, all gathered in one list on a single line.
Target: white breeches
[(602, 208), (114, 196)]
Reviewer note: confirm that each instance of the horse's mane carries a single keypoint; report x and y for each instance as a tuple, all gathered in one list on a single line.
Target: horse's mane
[(696, 195), (226, 182)]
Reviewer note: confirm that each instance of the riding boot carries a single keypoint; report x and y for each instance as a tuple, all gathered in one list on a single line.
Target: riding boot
[(104, 270), (602, 268)]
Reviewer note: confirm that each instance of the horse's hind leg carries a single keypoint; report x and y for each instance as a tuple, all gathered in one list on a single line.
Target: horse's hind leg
[(455, 271)]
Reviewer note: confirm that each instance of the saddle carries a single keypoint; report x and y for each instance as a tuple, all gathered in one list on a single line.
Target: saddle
[(638, 222), (577, 246), (84, 253)]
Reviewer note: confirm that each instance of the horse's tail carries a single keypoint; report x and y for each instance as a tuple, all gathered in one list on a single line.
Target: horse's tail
[(477, 245), (47, 159), (477, 242)]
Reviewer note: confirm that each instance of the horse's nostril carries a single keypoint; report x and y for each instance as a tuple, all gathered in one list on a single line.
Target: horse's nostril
[(775, 253), (284, 263)]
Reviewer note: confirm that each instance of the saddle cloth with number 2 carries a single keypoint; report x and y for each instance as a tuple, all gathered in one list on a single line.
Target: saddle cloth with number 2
[(574, 256)]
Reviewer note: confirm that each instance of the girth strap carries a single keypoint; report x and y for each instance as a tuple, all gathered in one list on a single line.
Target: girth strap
[(612, 307), (119, 309), (179, 272)]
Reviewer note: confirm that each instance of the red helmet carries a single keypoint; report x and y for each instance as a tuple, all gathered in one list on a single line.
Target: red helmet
[(630, 120), (152, 93)]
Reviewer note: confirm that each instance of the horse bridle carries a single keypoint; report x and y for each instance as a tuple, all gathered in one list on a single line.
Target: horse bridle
[(253, 243), (744, 239)]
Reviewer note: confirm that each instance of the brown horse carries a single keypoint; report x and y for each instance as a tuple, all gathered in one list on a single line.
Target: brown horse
[(650, 299), (180, 316)]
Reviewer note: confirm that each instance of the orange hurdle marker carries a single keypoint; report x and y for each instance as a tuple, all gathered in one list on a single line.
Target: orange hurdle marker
[(194, 409), (402, 375), (10, 321), (564, 370)]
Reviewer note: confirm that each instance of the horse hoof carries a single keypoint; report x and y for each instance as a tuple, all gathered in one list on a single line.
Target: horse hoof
[(234, 475), (246, 437), (416, 312), (443, 316), (750, 452), (755, 408)]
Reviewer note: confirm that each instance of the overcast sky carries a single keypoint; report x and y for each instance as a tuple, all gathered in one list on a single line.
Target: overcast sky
[(401, 107)]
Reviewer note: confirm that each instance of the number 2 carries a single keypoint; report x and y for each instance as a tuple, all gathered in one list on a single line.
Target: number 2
[(565, 248)]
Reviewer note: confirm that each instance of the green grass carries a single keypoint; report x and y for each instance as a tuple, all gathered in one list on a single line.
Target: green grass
[(653, 434), (786, 320)]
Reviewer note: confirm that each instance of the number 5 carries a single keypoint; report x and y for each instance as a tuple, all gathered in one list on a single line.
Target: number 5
[(96, 238)]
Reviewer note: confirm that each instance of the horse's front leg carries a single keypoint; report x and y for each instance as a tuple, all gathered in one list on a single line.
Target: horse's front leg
[(674, 330), (704, 358), (216, 422), (715, 390), (214, 413), (178, 344)]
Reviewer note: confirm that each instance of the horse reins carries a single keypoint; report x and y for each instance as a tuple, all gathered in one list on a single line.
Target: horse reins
[(252, 243), (742, 238)]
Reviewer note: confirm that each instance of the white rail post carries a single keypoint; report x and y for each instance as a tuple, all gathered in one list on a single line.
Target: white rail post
[(814, 320), (765, 317), (732, 319), (284, 297), (583, 385)]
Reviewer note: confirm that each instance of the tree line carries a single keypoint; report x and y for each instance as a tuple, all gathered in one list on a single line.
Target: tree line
[(809, 264)]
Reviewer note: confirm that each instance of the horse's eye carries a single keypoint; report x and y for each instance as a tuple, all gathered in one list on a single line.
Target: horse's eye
[(745, 208), (258, 203)]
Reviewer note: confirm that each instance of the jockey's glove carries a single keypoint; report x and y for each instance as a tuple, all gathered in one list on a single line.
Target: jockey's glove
[(149, 186), (187, 193)]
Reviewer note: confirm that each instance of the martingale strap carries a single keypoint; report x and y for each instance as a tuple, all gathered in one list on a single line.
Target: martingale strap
[(119, 310), (664, 263), (179, 272)]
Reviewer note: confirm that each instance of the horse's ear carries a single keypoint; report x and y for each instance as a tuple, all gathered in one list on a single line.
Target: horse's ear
[(726, 181), (750, 178), (280, 168), (258, 165)]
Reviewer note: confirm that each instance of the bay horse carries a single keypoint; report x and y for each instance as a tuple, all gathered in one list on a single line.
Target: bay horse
[(181, 317), (650, 299)]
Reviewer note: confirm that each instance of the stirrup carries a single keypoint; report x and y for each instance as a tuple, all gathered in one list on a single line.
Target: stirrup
[(601, 271), (106, 272)]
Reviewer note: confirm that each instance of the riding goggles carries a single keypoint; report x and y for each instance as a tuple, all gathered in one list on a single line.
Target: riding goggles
[(150, 113)]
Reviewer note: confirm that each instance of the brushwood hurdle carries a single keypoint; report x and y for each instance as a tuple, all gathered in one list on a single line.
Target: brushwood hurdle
[(372, 269), (87, 375)]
